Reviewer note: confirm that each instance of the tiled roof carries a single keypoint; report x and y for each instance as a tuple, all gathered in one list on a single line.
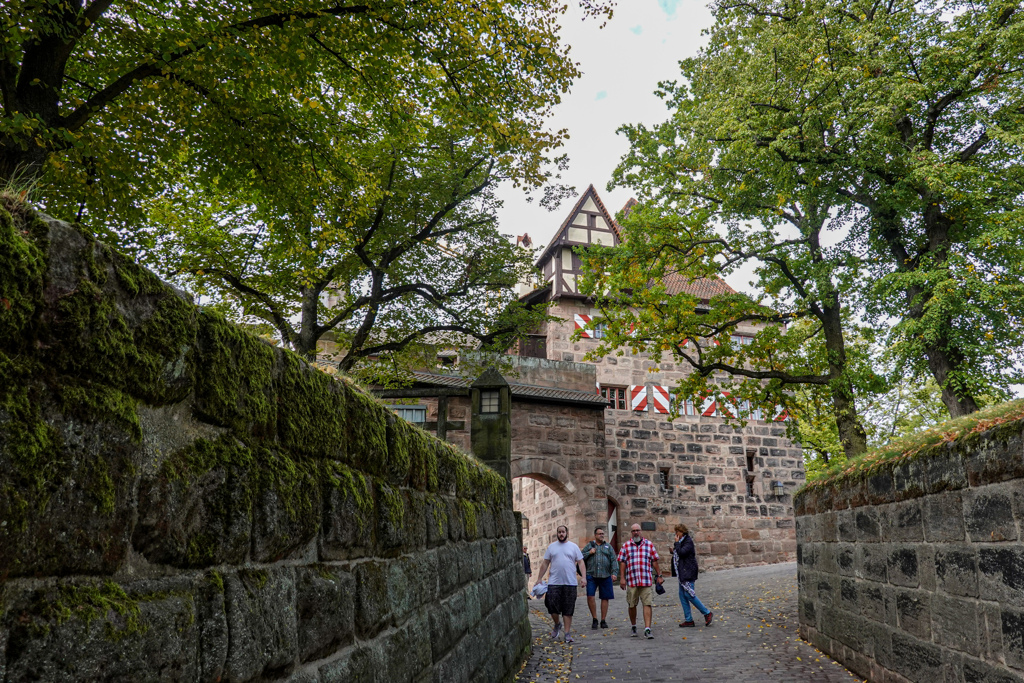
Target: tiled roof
[(702, 288), (524, 391)]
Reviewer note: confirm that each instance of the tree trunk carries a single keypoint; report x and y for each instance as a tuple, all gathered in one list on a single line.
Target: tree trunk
[(851, 432), (305, 343), (19, 165), (958, 403)]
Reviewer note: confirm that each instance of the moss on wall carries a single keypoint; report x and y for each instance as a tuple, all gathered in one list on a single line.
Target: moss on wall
[(235, 378), (23, 263)]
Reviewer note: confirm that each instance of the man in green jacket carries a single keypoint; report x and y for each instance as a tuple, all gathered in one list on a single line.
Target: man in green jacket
[(599, 557)]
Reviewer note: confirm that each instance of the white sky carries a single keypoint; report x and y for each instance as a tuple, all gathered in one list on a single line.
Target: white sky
[(622, 65)]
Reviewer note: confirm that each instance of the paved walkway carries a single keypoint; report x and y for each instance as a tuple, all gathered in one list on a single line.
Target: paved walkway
[(753, 637)]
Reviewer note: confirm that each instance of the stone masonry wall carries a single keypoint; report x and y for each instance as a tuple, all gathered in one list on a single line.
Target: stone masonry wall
[(916, 572), (705, 460), (180, 501)]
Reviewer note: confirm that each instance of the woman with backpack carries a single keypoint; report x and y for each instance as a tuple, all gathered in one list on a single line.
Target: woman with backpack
[(684, 556)]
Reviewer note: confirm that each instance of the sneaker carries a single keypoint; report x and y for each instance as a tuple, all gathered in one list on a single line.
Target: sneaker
[(708, 617), (687, 624), (558, 628), (594, 625), (604, 624), (647, 634), (633, 634), (568, 639)]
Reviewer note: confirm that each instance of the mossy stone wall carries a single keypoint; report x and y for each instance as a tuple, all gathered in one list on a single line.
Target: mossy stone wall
[(181, 501), (914, 570)]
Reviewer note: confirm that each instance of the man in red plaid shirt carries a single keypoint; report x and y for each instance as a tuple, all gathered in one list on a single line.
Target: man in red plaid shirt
[(636, 559)]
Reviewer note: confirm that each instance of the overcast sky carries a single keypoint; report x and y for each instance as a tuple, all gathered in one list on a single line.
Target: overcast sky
[(622, 65)]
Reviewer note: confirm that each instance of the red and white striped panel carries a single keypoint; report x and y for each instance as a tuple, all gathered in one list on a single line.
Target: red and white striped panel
[(781, 414), (598, 388), (638, 397), (727, 407), (661, 398), (708, 407), (583, 324)]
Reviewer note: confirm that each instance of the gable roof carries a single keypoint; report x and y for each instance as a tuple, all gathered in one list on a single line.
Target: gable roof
[(589, 193)]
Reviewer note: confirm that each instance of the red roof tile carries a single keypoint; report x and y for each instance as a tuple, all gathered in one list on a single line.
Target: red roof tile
[(702, 288)]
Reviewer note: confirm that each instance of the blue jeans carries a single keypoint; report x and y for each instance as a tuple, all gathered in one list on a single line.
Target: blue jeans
[(685, 599)]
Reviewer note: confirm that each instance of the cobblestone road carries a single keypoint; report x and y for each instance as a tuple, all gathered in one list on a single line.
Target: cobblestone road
[(753, 637)]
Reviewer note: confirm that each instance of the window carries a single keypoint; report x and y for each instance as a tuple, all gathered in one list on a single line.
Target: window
[(750, 485), (415, 414), (599, 330), (741, 339), (616, 397), (490, 401), (664, 472)]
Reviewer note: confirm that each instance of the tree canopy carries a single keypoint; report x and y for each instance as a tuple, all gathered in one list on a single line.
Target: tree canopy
[(392, 244), (866, 158), (99, 96)]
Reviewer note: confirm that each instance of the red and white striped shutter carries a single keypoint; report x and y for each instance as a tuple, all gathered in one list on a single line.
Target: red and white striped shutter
[(661, 399), (708, 407), (583, 324), (726, 407), (598, 388), (632, 330), (638, 397), (781, 414)]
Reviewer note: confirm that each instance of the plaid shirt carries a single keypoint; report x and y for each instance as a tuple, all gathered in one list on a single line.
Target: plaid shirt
[(638, 560), (601, 564)]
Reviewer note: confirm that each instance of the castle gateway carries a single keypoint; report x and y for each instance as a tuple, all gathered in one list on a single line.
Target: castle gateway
[(592, 443)]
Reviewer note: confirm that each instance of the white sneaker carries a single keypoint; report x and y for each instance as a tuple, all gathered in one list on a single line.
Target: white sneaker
[(647, 634)]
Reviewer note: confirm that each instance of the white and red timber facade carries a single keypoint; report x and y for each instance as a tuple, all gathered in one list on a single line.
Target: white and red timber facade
[(592, 442)]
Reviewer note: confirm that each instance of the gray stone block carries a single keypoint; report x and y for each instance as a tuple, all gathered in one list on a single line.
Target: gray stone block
[(902, 522), (846, 526), (447, 624), (447, 569), (261, 623), (902, 566), (956, 568), (869, 530), (453, 667), (373, 602), (957, 624), (988, 514), (407, 650), (943, 517), (844, 556), (1001, 574), (325, 610), (916, 659), (872, 561), (174, 629), (944, 472), (1013, 637), (976, 671), (348, 529), (914, 615), (365, 664), (279, 532)]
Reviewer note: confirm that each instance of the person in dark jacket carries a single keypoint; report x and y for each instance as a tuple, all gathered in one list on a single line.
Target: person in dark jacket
[(526, 564), (684, 556)]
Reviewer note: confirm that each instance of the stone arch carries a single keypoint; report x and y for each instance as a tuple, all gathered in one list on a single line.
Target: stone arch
[(584, 509)]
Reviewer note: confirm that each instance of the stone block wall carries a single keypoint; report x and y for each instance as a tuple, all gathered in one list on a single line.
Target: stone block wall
[(916, 571), (706, 462), (182, 501)]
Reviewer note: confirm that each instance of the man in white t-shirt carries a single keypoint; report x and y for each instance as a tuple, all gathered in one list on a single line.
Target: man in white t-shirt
[(564, 558)]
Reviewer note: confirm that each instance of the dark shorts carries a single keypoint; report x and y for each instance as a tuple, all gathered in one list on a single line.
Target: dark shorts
[(604, 586), (561, 600)]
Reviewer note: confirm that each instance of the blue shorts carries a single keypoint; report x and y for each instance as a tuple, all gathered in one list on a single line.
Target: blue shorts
[(604, 585)]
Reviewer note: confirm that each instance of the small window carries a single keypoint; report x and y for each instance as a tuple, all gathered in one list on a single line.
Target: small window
[(415, 414), (664, 472), (750, 461), (741, 339), (599, 330), (750, 486), (616, 397), (490, 401)]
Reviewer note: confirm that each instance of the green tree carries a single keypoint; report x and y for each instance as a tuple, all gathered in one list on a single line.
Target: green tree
[(391, 244), (98, 96), (913, 112)]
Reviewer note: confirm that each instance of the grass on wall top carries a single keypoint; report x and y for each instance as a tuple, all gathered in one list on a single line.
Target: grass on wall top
[(919, 444)]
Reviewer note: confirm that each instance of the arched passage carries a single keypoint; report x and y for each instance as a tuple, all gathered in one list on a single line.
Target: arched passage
[(548, 495)]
